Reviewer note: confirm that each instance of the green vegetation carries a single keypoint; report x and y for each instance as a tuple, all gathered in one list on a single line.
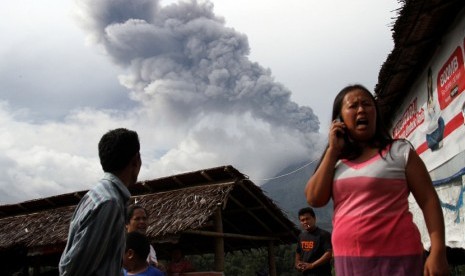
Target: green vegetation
[(458, 270), (248, 263)]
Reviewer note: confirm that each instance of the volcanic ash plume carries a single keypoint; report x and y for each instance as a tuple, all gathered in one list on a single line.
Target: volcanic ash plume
[(183, 58), (186, 68)]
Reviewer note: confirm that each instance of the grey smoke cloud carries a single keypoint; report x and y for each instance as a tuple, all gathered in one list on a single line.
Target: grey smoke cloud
[(199, 102), (195, 98), (184, 61)]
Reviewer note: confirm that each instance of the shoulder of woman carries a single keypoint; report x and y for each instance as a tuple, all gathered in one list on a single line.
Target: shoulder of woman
[(400, 148), (401, 144)]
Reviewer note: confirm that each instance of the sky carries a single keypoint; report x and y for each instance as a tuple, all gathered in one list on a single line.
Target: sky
[(204, 83)]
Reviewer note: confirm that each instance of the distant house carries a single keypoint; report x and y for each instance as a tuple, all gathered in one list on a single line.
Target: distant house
[(215, 210), (421, 89)]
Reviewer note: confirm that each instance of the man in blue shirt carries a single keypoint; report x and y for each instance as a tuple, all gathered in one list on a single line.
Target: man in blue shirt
[(135, 256), (96, 237)]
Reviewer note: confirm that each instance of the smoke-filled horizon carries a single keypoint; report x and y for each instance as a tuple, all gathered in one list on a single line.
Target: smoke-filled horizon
[(177, 74)]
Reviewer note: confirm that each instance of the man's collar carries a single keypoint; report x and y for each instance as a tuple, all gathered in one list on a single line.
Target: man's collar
[(119, 184)]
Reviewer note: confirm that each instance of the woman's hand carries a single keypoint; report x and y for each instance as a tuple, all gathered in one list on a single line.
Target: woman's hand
[(336, 137), (436, 265)]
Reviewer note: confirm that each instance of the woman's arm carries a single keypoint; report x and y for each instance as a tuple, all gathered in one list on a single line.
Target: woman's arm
[(421, 186), (319, 186)]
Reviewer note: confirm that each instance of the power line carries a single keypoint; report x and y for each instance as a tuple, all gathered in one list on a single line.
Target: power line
[(286, 174)]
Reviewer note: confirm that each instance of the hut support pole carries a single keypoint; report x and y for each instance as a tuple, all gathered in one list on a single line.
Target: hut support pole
[(219, 242), (271, 260)]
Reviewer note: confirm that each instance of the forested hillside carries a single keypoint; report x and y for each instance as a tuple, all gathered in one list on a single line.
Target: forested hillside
[(288, 192)]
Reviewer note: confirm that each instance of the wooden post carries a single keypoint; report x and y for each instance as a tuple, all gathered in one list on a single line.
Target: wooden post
[(271, 260), (219, 242)]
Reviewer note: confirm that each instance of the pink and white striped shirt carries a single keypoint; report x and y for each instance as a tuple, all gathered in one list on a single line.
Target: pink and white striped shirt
[(371, 213)]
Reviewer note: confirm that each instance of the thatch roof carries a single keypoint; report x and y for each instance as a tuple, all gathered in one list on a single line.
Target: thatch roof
[(181, 209), (417, 34)]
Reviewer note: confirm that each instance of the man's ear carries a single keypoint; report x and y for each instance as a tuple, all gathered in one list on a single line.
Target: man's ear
[(136, 160), (130, 254)]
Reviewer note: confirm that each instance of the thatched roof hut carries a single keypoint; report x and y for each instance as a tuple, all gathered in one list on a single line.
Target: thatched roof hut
[(214, 210), (417, 34)]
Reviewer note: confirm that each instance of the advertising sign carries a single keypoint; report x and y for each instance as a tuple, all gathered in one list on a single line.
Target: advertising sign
[(433, 119)]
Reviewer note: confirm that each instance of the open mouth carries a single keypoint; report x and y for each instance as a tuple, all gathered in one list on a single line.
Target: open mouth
[(361, 122)]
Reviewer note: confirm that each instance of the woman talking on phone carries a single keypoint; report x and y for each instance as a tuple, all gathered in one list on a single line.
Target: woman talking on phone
[(369, 176)]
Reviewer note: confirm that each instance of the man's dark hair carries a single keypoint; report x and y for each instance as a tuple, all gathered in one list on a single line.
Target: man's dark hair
[(116, 149), (307, 210), (139, 244), (130, 211)]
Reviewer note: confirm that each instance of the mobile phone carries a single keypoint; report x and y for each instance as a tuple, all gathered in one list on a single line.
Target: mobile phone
[(344, 134)]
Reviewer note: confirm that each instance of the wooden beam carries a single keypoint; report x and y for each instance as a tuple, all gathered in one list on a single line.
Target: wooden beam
[(237, 230), (228, 235), (76, 195), (179, 182), (22, 207), (147, 187), (271, 260), (238, 211), (219, 241), (182, 186), (205, 174), (240, 182), (247, 210), (50, 202), (261, 203)]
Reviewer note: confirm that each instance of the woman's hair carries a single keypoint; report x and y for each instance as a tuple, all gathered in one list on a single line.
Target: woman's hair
[(381, 138)]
